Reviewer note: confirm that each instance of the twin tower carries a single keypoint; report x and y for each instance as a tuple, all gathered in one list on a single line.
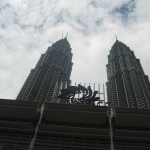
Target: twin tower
[(51, 74), (127, 85)]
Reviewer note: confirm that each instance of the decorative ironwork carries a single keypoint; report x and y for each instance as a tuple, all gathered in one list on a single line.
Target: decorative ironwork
[(79, 95)]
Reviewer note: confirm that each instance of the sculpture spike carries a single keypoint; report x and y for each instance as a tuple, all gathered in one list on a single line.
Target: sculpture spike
[(104, 94), (99, 89)]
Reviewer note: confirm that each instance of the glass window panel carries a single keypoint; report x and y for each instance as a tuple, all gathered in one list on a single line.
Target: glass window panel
[(8, 146), (1, 145), (39, 148), (52, 148), (20, 147), (64, 148)]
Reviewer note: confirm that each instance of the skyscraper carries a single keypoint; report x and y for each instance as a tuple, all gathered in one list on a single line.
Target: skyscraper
[(78, 126), (127, 85), (51, 73)]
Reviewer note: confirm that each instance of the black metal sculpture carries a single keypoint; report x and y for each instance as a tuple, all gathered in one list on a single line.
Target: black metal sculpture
[(79, 95)]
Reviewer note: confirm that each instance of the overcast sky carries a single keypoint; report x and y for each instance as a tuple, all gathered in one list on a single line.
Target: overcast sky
[(28, 27)]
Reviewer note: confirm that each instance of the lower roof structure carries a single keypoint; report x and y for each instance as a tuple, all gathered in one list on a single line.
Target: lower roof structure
[(26, 126)]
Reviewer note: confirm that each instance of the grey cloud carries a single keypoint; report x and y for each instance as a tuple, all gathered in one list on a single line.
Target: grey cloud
[(29, 27), (94, 3), (3, 5), (125, 9), (60, 18)]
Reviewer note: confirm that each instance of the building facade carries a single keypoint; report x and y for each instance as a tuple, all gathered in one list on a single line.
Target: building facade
[(51, 74), (127, 85)]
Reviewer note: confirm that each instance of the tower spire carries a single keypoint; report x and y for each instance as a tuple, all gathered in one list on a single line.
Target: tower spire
[(66, 35), (116, 37), (62, 34)]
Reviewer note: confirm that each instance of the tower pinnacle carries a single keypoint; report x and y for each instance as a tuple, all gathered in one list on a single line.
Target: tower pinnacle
[(116, 37)]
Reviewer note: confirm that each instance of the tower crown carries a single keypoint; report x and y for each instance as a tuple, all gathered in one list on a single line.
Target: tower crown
[(62, 45)]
